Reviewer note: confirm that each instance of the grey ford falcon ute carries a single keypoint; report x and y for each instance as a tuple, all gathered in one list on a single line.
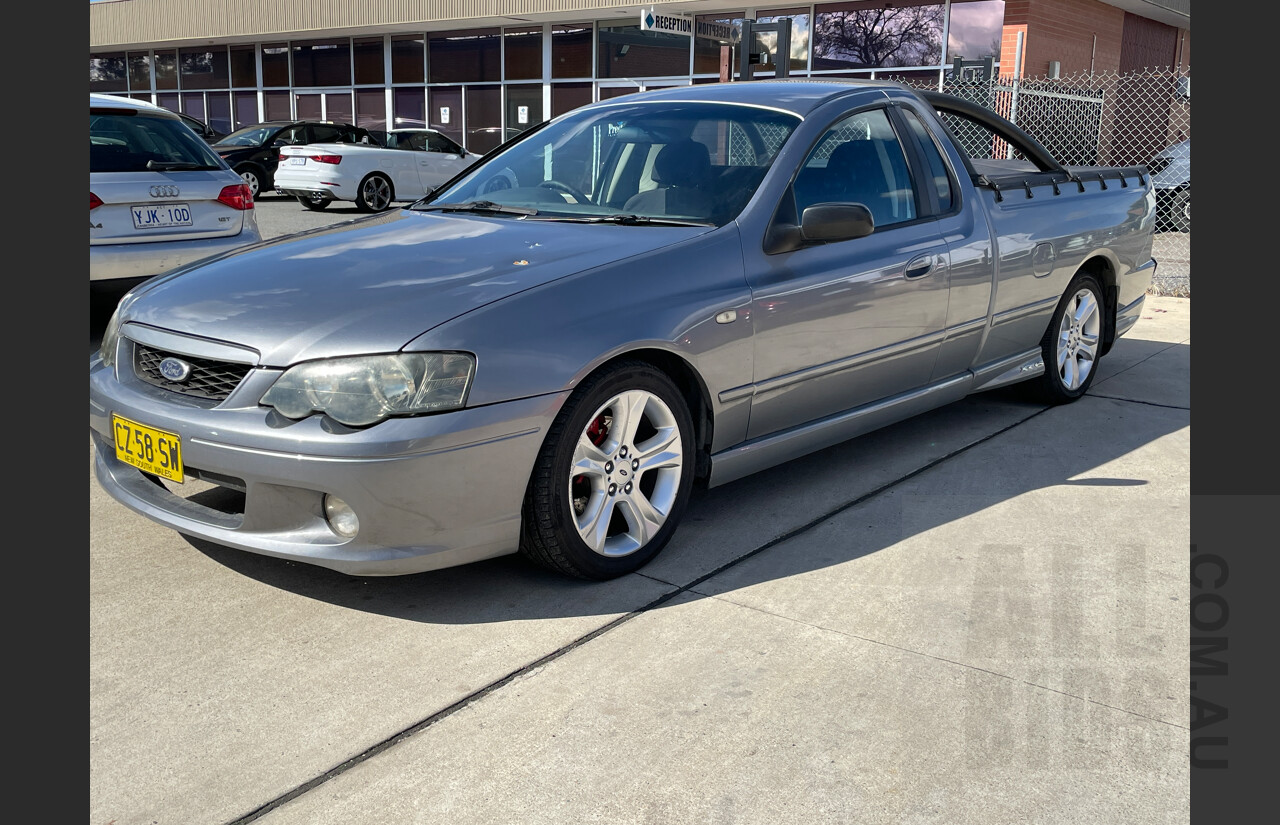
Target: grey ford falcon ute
[(545, 355)]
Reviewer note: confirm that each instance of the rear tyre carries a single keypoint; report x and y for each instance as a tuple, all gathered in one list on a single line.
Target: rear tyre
[(374, 193), (1072, 344), (315, 203), (614, 476)]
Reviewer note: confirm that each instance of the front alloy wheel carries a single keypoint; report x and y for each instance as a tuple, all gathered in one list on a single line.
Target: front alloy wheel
[(613, 477)]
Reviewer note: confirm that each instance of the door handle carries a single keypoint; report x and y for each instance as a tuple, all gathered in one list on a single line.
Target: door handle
[(919, 267)]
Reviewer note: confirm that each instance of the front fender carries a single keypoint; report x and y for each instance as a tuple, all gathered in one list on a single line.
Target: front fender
[(547, 339)]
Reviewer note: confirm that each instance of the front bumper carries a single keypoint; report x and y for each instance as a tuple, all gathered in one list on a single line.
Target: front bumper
[(108, 262), (430, 492)]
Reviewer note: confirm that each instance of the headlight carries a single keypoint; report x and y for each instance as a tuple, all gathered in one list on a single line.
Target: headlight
[(363, 390), (110, 338)]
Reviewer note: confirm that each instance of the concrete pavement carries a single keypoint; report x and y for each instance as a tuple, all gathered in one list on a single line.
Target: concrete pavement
[(979, 615)]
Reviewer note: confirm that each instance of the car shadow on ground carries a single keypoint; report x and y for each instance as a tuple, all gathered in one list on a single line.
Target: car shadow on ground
[(984, 451)]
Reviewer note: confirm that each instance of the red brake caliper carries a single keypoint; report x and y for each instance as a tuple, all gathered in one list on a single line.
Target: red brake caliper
[(597, 432)]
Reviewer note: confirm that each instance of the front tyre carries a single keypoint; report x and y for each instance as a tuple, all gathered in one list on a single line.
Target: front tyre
[(374, 193), (1072, 344), (613, 477)]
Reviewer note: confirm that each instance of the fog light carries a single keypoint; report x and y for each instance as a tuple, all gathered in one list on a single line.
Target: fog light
[(341, 517)]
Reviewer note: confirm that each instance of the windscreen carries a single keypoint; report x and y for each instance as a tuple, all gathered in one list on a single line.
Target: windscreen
[(696, 161)]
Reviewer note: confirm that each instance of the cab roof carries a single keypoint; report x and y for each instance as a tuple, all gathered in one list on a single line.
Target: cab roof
[(796, 95)]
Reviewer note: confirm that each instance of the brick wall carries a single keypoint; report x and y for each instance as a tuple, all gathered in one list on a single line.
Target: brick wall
[(1148, 44), (1062, 30)]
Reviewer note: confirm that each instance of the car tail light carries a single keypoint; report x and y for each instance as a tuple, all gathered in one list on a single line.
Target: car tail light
[(237, 196), (94, 201), (333, 159)]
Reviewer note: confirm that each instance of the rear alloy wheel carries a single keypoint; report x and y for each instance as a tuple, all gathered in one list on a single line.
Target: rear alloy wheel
[(316, 203), (1072, 344), (614, 476), (251, 178), (374, 193)]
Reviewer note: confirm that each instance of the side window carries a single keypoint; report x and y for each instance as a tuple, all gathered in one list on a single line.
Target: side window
[(416, 142), (327, 134), (292, 136), (937, 167), (859, 160), (440, 143)]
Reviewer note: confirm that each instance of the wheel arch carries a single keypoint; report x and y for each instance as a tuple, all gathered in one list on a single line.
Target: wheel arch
[(1104, 268), (380, 174), (692, 388)]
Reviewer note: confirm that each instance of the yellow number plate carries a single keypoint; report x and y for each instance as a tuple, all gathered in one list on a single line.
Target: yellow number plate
[(150, 450)]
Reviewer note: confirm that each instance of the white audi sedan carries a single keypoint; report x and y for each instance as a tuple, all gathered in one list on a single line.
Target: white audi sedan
[(411, 164)]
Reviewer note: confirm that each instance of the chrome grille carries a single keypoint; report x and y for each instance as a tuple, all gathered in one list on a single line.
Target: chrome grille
[(209, 379)]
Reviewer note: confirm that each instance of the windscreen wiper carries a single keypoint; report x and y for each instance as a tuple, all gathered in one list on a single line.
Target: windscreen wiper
[(179, 166), (476, 206), (632, 220)]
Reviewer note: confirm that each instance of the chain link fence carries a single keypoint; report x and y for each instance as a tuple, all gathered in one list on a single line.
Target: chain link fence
[(1137, 118)]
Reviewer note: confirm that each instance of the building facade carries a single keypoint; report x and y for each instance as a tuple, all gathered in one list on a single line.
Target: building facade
[(484, 70)]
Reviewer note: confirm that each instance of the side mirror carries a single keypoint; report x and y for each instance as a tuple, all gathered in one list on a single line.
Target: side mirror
[(820, 223), (836, 222)]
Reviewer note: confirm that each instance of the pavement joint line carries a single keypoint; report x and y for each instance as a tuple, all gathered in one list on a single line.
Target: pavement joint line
[(942, 659), (1171, 345), (1137, 401), (475, 696)]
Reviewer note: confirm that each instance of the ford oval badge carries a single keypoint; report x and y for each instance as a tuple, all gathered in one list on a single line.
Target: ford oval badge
[(175, 369)]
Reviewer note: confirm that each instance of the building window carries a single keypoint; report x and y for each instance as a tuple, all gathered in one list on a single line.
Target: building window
[(872, 35), (626, 51), (408, 59), (204, 68), (524, 107), (277, 106), (706, 53), (140, 71), (446, 111), (523, 53), (275, 64), (464, 56), (799, 35), (244, 70), (975, 30), (371, 108), (571, 50), (566, 97), (322, 63), (108, 73), (368, 61), (167, 70), (246, 109), (409, 107), (218, 113), (484, 117)]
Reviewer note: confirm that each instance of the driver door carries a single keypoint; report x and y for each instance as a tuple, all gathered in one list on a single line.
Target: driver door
[(842, 324)]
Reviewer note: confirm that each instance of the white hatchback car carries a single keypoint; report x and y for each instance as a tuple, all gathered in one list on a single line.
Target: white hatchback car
[(159, 197), (411, 164)]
